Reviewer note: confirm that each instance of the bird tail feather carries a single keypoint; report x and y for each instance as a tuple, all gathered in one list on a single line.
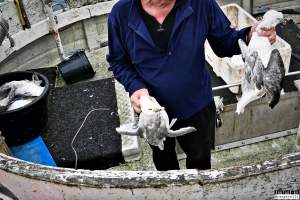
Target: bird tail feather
[(181, 131), (128, 129)]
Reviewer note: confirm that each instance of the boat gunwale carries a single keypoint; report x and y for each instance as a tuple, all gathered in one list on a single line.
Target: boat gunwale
[(142, 179), (42, 28), (125, 179)]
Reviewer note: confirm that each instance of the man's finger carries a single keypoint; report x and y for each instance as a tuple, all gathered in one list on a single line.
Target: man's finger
[(267, 29), (272, 38), (137, 109), (265, 33), (135, 102)]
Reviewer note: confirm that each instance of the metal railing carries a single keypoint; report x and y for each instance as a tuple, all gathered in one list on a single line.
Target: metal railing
[(239, 83)]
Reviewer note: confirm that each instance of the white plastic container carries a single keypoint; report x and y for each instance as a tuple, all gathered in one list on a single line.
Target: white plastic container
[(232, 69)]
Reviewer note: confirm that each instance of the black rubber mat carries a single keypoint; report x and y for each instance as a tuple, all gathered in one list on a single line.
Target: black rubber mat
[(98, 145), (291, 34)]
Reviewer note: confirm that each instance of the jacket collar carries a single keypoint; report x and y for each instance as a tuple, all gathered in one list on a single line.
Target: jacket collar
[(136, 23)]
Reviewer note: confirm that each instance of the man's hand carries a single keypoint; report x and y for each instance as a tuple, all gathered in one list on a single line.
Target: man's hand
[(135, 99), (269, 33)]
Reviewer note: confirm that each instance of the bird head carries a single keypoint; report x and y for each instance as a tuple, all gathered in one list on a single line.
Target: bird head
[(270, 19), (273, 15), (149, 105)]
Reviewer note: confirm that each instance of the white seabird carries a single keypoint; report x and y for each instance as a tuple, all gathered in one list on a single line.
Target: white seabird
[(11, 92), (18, 104), (153, 124), (264, 68)]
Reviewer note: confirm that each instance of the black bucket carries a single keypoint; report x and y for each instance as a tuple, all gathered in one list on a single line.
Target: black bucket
[(23, 124), (76, 68)]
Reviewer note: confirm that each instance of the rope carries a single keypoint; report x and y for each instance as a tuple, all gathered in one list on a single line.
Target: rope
[(76, 156)]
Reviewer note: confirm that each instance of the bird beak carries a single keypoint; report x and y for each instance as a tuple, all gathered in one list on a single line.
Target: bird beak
[(158, 109), (155, 110)]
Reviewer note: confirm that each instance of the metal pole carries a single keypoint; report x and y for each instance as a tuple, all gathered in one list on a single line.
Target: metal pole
[(54, 30), (239, 83)]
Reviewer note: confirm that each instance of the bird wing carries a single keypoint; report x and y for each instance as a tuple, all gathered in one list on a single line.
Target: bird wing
[(128, 129), (244, 48), (181, 131), (252, 81), (4, 90), (7, 100), (258, 69), (273, 76), (251, 64), (249, 59)]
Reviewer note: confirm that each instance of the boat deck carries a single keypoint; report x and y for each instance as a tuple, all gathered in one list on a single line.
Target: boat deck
[(240, 156), (230, 156)]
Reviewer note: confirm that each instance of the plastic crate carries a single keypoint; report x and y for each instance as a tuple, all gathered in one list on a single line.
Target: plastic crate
[(34, 151), (231, 70)]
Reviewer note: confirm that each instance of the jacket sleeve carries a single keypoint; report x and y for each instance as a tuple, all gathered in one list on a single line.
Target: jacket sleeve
[(119, 59), (222, 38)]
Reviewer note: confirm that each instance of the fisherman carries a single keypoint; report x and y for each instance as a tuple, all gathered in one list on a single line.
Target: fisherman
[(156, 48)]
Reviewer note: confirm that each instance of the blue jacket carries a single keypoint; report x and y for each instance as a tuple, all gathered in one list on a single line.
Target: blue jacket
[(178, 77)]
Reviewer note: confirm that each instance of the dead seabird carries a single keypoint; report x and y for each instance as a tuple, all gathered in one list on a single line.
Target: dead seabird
[(260, 81), (31, 88), (264, 68), (14, 93), (153, 124)]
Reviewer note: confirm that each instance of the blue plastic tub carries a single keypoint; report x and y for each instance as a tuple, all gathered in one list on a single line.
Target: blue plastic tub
[(34, 151)]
